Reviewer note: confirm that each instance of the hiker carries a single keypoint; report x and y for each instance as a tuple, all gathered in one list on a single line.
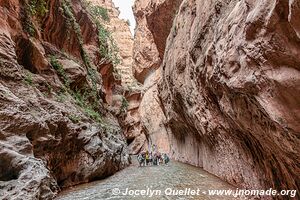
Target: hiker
[(159, 159), (147, 157), (155, 159), (151, 158), (141, 159), (166, 159)]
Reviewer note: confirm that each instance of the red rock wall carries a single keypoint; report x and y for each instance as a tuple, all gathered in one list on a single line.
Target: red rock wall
[(52, 134), (154, 22), (230, 90)]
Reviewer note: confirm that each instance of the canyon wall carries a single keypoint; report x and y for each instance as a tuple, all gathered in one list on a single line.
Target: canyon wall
[(129, 98), (154, 21), (222, 91), (230, 90), (120, 31), (58, 89)]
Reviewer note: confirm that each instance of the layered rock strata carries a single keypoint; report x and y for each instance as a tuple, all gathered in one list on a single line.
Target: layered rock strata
[(56, 126), (227, 87), (123, 38), (154, 21), (230, 90)]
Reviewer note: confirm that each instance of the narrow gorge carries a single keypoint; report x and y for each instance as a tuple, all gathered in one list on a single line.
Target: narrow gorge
[(214, 84)]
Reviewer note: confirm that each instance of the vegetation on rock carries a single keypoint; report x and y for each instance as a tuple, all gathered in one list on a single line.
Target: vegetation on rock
[(100, 11), (107, 45), (83, 98), (37, 7), (124, 106), (28, 78)]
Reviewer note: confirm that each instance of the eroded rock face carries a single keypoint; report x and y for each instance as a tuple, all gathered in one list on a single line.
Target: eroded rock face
[(42, 149), (152, 116), (123, 39), (55, 126), (154, 21), (133, 131), (230, 90)]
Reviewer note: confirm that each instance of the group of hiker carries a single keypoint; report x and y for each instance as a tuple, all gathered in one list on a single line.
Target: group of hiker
[(148, 158)]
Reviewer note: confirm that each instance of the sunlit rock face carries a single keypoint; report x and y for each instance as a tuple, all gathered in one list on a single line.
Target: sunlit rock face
[(120, 31), (51, 133), (152, 116), (230, 90), (133, 131), (154, 21)]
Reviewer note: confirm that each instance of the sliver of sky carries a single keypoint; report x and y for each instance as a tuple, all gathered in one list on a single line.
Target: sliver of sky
[(125, 7)]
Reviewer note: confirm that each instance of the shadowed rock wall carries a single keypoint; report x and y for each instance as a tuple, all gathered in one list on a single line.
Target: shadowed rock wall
[(56, 127), (230, 90)]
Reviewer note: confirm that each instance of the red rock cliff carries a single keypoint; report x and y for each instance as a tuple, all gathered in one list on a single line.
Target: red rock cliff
[(228, 86), (154, 22), (230, 90), (56, 77)]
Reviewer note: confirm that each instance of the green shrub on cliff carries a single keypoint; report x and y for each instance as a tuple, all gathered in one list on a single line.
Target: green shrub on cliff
[(33, 9), (28, 78), (74, 118), (38, 8), (61, 97), (29, 28), (124, 105), (99, 11), (60, 70), (71, 20), (82, 99), (107, 45)]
